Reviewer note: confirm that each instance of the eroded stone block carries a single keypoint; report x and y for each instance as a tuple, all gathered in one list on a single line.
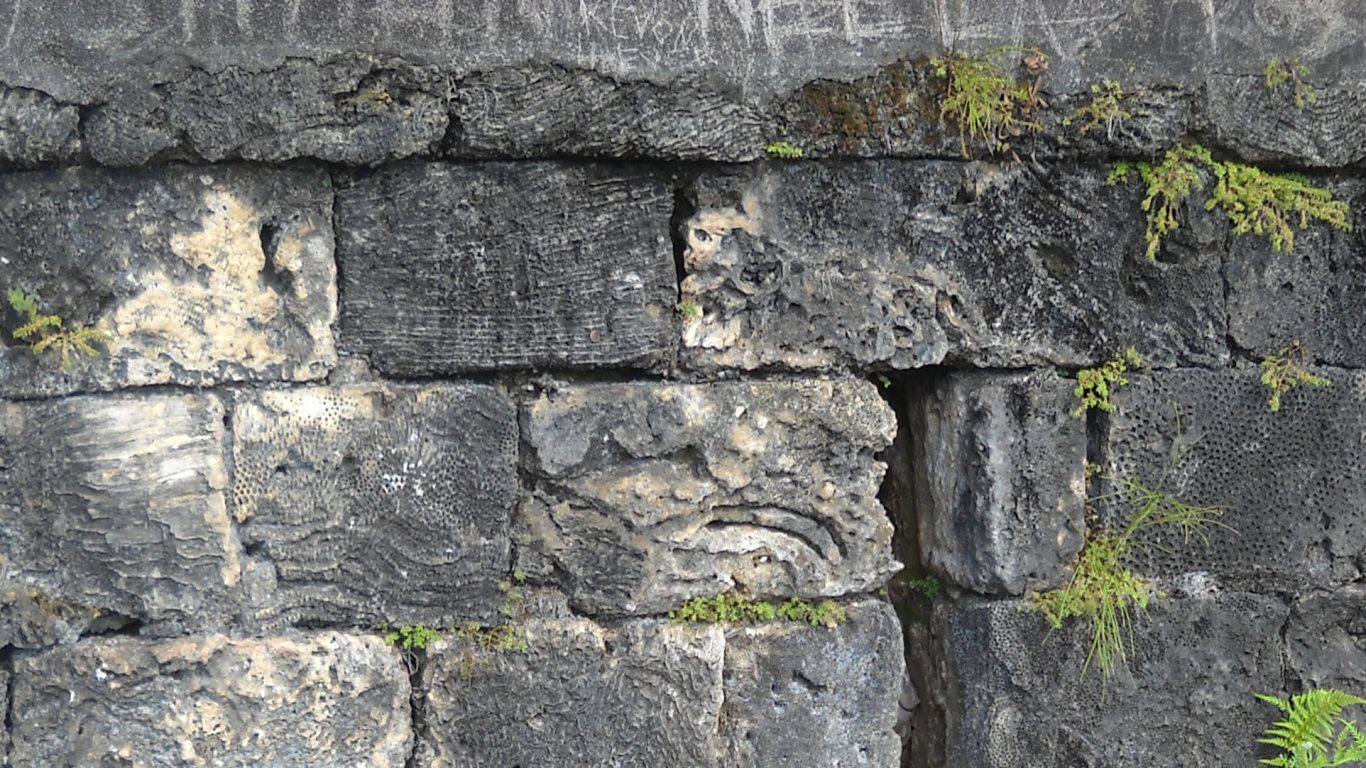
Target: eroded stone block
[(1015, 696), (903, 265), (36, 129), (1291, 484), (116, 504), (1311, 294), (647, 693), (374, 503), (802, 695), (197, 275), (279, 702), (1000, 486), (645, 495), (1326, 641), (451, 268)]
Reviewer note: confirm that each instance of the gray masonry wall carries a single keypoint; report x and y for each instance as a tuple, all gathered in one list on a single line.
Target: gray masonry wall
[(496, 318)]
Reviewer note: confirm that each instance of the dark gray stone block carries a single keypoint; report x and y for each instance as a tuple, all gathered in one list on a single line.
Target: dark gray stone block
[(116, 505), (643, 496), (551, 111), (36, 129), (277, 702), (375, 504), (802, 695), (902, 265), (29, 618), (198, 275), (644, 694), (1264, 124), (1326, 641), (349, 111), (1015, 698), (1312, 294), (1291, 484), (449, 268), (999, 481)]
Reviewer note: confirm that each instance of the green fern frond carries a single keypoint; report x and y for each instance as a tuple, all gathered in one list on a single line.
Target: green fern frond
[(1269, 204), (37, 324), (22, 302), (1170, 183), (1313, 734)]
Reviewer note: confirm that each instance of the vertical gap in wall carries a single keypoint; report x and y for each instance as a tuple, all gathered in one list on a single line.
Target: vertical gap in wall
[(682, 211), (417, 703), (920, 724), (7, 664)]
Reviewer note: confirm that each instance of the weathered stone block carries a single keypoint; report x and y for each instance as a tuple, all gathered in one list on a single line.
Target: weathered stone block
[(1264, 124), (36, 129), (902, 265), (802, 695), (1291, 485), (645, 694), (116, 505), (197, 275), (1015, 697), (373, 503), (279, 702), (1326, 641), (451, 268), (643, 496), (29, 618), (340, 112), (999, 476), (552, 111), (1312, 294)]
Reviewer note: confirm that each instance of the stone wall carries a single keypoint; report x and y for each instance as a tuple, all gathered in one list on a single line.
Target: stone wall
[(497, 319)]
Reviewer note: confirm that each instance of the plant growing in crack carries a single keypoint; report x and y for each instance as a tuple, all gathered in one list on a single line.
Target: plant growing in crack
[(1285, 370), (1103, 109), (986, 103), (49, 332), (1282, 72), (731, 608), (1095, 385)]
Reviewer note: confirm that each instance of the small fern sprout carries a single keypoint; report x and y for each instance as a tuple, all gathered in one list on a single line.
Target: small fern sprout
[(1104, 109), (1094, 385), (784, 150), (1270, 204), (44, 332), (1285, 370), (1279, 72), (1314, 734)]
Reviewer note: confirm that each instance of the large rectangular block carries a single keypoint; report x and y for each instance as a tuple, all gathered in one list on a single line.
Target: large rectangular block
[(1312, 294), (999, 479), (802, 695), (1326, 641), (449, 268), (197, 275), (1291, 484), (374, 503), (278, 702), (902, 265), (117, 504), (643, 496), (641, 695), (1014, 697)]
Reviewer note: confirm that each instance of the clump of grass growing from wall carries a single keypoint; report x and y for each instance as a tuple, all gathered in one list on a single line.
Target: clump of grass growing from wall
[(1104, 591), (987, 103)]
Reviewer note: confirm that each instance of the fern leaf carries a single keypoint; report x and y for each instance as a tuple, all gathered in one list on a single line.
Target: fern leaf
[(1307, 732), (23, 302)]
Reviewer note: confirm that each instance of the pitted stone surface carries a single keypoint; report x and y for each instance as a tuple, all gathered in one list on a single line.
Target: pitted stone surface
[(278, 702), (520, 266), (341, 112), (117, 505), (198, 275), (1000, 485), (1291, 484), (889, 264), (1312, 294), (375, 504), (802, 695), (36, 129), (1326, 640), (644, 495), (645, 694), (1015, 697)]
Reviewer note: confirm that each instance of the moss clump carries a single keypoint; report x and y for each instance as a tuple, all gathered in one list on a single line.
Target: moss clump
[(731, 608), (784, 150), (1103, 109), (1285, 370), (987, 103), (1282, 72), (1094, 385), (1254, 201), (690, 310)]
